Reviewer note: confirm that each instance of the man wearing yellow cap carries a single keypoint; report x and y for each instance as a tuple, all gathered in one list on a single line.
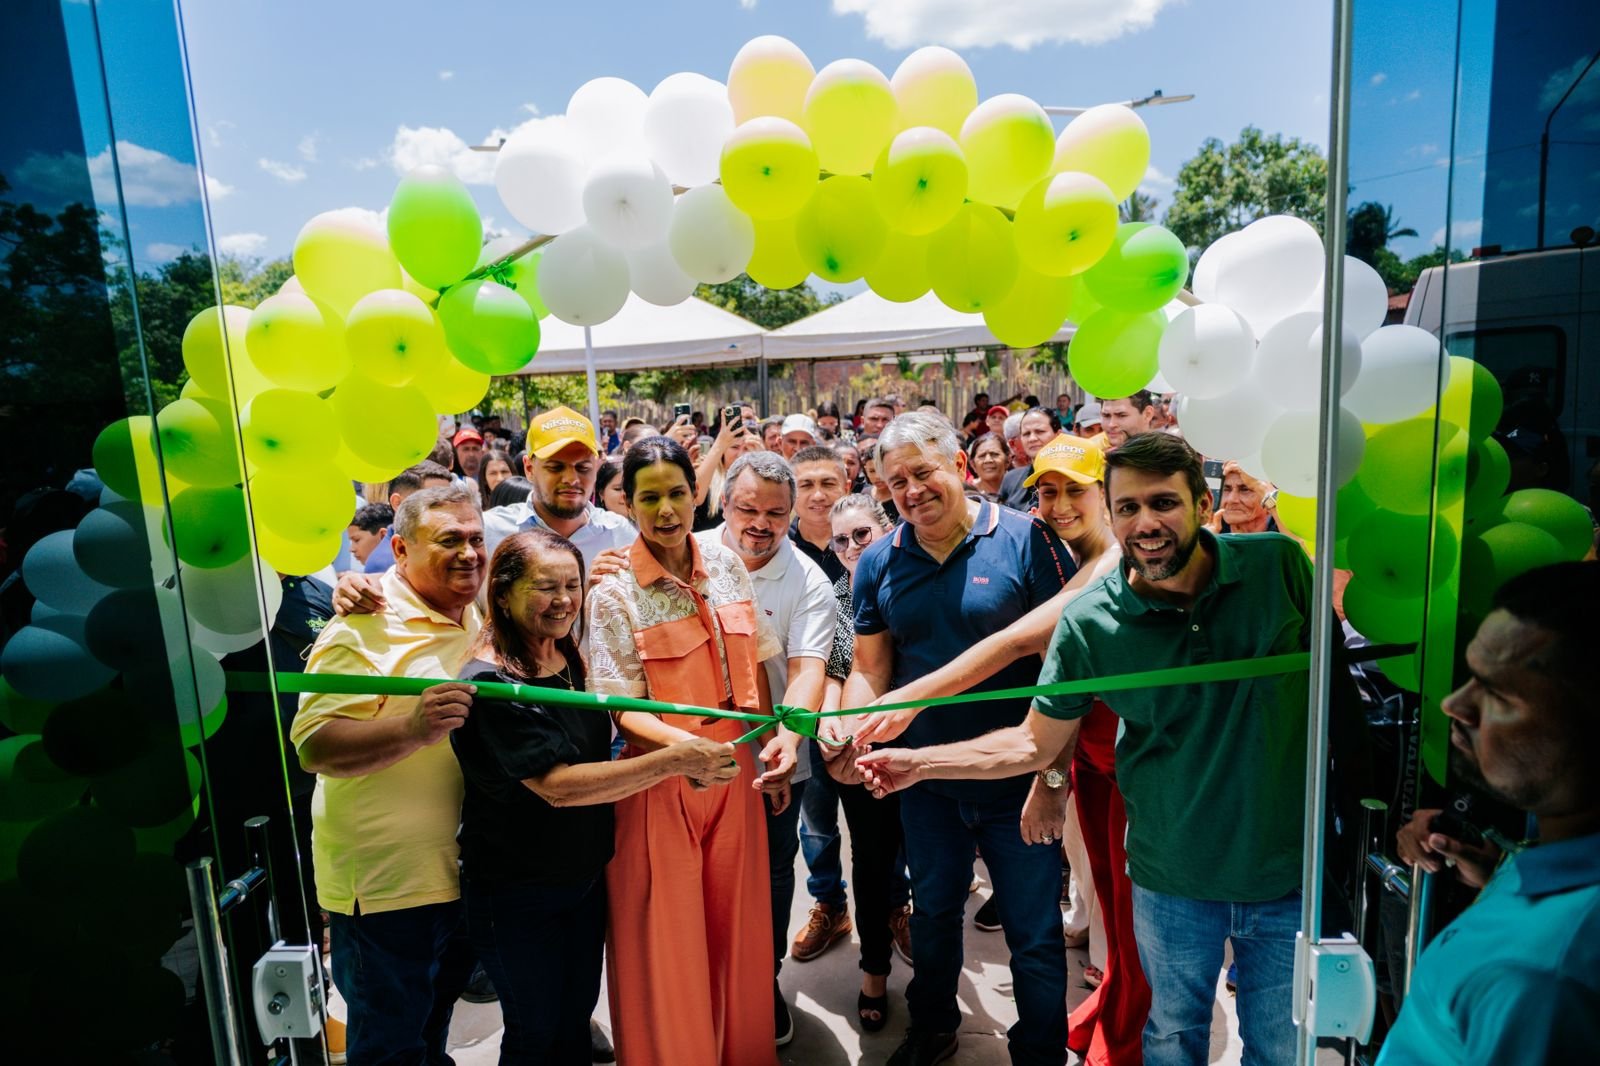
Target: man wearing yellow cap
[(562, 459)]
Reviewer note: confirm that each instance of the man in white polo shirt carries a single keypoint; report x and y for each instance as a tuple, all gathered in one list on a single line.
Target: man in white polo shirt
[(798, 600)]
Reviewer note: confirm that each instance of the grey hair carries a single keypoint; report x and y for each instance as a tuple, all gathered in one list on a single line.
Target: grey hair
[(408, 516), (1013, 426), (924, 430), (768, 466), (860, 501)]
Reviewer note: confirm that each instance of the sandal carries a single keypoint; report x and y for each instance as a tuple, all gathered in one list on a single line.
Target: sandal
[(868, 1006), (1093, 976)]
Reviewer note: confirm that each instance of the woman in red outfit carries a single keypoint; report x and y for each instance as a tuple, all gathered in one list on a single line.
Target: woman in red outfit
[(1068, 472)]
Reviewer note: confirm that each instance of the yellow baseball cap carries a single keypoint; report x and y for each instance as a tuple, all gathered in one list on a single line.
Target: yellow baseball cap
[(1081, 460), (553, 430)]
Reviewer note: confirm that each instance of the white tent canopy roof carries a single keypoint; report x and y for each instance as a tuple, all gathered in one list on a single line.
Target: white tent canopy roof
[(867, 324), (644, 336)]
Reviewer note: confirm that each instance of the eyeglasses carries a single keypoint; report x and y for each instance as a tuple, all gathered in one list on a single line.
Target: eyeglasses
[(862, 535)]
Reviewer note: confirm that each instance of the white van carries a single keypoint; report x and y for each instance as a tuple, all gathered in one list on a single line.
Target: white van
[(1534, 320)]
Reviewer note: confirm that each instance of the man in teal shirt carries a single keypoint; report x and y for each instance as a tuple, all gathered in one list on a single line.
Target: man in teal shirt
[(1213, 775), (1516, 978)]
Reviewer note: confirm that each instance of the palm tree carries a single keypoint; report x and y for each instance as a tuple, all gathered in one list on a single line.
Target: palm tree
[(1371, 227), (1138, 208)]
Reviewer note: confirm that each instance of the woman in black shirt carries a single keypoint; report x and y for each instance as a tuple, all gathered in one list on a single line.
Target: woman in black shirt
[(536, 818)]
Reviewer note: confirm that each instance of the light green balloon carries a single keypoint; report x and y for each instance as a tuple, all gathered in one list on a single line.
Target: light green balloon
[(209, 526), (522, 276), (387, 427), (1472, 397), (1488, 475), (1381, 618), (434, 226), (769, 169), (901, 272), (1397, 469), (394, 338), (124, 457), (1354, 505), (972, 260), (1559, 515), (920, 180), (286, 430), (1032, 312), (1115, 354), (776, 262), (197, 442), (489, 328), (1499, 554), (297, 343), (1066, 223), (839, 232), (1390, 550), (1143, 270)]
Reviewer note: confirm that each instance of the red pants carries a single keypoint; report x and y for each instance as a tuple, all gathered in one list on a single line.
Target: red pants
[(1106, 1028)]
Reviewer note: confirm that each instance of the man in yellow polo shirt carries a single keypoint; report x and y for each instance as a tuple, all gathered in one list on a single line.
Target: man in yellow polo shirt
[(388, 797)]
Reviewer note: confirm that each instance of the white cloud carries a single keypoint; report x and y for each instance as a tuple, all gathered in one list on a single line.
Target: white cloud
[(446, 75), (365, 215), (748, 5), (1378, 79), (532, 109), (149, 178), (415, 146), (366, 162), (493, 231), (1155, 180), (1587, 92), (308, 147), (161, 252), (241, 243), (1427, 151), (1413, 96), (282, 171), (214, 132), (1021, 24), (1464, 234), (217, 190)]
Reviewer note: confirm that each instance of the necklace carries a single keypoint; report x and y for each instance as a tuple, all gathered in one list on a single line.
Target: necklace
[(560, 673)]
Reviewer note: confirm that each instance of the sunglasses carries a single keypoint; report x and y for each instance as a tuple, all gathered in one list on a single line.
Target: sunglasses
[(862, 535)]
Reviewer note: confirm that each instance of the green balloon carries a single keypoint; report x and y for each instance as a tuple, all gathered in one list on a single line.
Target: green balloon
[(522, 276), (901, 272), (32, 785), (1499, 554), (1380, 618), (1115, 354), (198, 443), (1143, 270), (22, 714), (973, 261), (1354, 505), (1298, 515), (434, 228), (490, 328), (1390, 551), (209, 525), (1472, 397), (1397, 470), (839, 232), (1403, 670), (124, 457), (1488, 475), (1559, 515)]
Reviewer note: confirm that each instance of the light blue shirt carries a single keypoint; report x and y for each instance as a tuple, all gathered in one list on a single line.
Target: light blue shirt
[(1516, 978), (603, 529)]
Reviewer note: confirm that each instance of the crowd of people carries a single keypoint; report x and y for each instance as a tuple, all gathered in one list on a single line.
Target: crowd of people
[(519, 849)]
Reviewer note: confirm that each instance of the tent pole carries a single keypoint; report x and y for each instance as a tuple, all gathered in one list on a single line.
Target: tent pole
[(761, 380), (588, 370)]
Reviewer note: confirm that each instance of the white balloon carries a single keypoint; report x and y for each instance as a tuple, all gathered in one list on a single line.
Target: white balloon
[(710, 238), (110, 545), (1270, 271), (51, 661), (1229, 425), (227, 600), (538, 173), (1206, 350), (1204, 281), (628, 200), (607, 115), (1399, 375), (52, 574), (1159, 385), (1289, 362), (1366, 298), (1291, 451), (221, 644), (657, 278), (685, 122), (582, 279)]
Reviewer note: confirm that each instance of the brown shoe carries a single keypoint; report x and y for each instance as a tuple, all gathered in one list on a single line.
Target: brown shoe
[(900, 931), (825, 925)]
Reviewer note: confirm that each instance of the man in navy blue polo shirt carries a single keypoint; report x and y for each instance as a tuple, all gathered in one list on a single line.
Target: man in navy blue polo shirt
[(953, 572)]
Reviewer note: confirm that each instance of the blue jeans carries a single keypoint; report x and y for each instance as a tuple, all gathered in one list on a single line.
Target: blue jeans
[(819, 835), (783, 843), (1180, 947), (542, 947), (939, 836), (400, 972)]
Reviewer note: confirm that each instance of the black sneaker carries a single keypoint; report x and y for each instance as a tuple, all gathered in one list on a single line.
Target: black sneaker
[(988, 916), (782, 1020), (480, 989), (923, 1049)]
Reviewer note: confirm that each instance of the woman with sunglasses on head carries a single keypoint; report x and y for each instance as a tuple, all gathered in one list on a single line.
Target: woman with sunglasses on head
[(878, 887), (1069, 476)]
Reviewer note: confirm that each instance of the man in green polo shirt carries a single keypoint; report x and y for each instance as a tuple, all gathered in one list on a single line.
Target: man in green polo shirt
[(1213, 774)]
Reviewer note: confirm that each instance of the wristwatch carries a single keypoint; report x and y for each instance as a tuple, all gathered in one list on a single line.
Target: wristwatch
[(1053, 778)]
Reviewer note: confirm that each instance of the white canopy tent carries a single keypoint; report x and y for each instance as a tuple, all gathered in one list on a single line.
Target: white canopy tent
[(867, 324), (644, 336)]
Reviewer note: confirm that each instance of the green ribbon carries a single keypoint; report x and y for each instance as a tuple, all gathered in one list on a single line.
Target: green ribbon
[(796, 719)]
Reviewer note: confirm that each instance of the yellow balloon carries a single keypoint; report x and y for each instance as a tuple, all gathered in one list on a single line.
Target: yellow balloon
[(297, 343), (287, 430), (418, 289), (839, 232), (1110, 142), (383, 426), (306, 505), (1009, 142), (1083, 302), (769, 169), (394, 338), (973, 261), (920, 180), (340, 256), (934, 87), (1032, 312), (1066, 223), (776, 262), (213, 340), (454, 387), (356, 468), (901, 272), (769, 76), (295, 557), (850, 114)]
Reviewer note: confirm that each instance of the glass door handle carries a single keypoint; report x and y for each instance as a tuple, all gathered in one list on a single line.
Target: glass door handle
[(227, 1042)]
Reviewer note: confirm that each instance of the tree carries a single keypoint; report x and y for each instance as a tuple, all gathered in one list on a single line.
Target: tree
[(767, 308), (1370, 228), (1226, 187), (1137, 208), (1401, 276)]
